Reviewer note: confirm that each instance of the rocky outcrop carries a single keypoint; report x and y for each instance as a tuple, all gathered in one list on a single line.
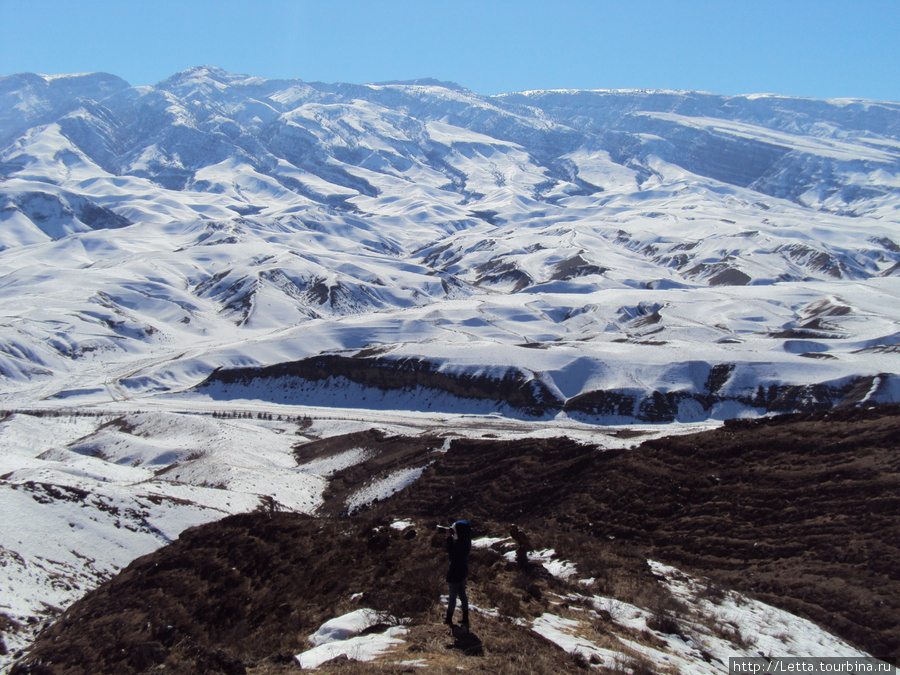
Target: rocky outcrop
[(660, 407), (526, 394), (516, 388)]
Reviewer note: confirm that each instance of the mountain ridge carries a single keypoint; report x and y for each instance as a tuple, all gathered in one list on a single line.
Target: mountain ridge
[(236, 206)]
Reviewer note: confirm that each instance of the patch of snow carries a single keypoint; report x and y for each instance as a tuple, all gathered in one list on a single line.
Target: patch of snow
[(709, 632), (341, 637), (383, 488), (488, 542), (328, 466), (547, 558), (564, 633), (401, 524), (493, 613), (772, 631)]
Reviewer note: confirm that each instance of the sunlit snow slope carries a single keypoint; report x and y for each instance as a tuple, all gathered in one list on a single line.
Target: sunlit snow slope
[(609, 255), (85, 495)]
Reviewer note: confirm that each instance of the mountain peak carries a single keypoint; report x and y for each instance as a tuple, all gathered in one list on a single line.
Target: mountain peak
[(424, 82), (93, 85), (201, 71), (203, 80)]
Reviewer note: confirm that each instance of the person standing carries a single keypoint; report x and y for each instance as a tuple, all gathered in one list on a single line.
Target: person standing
[(459, 545)]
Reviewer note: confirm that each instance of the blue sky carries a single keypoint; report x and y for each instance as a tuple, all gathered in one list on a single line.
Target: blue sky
[(819, 48)]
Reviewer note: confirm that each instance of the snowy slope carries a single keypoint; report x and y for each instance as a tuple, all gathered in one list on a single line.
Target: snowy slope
[(713, 631), (633, 241), (86, 494)]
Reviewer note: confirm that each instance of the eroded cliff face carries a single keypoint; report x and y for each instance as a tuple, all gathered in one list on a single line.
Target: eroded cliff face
[(663, 407), (517, 389), (419, 384)]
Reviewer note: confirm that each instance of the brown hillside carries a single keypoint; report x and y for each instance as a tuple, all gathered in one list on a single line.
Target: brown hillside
[(241, 596), (800, 511), (803, 511)]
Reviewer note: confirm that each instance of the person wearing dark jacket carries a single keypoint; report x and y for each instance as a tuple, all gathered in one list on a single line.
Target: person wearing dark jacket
[(459, 544)]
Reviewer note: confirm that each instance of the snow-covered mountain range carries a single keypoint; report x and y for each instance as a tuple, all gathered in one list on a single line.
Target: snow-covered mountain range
[(609, 255)]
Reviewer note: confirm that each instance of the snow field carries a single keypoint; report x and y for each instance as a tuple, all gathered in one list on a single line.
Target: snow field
[(383, 488)]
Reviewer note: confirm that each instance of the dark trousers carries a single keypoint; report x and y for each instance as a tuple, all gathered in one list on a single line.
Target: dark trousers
[(458, 589)]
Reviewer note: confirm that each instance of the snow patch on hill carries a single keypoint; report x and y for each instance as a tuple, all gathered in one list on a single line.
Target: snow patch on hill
[(88, 494)]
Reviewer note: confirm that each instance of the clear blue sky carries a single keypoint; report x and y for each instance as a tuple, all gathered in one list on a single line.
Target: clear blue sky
[(819, 48)]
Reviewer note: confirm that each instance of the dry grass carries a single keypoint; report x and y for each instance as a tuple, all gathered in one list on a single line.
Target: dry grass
[(796, 484), (246, 592)]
